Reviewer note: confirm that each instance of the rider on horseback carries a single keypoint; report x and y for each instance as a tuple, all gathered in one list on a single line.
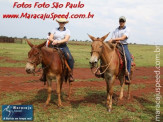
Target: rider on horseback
[(59, 38), (121, 35)]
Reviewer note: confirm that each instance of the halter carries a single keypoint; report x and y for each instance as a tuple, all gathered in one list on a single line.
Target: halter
[(96, 51), (98, 68), (39, 60)]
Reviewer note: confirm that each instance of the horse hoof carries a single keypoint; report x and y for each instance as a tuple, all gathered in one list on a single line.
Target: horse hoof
[(45, 105), (109, 110), (68, 98), (60, 105)]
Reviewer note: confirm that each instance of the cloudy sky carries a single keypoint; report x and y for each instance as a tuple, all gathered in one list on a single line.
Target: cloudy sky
[(144, 18)]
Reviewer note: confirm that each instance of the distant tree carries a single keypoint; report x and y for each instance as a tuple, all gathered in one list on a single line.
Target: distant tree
[(25, 37)]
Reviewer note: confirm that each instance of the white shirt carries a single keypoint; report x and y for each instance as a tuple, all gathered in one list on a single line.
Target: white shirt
[(120, 32), (60, 35)]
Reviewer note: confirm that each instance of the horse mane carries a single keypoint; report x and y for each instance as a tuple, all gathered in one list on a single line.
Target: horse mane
[(109, 45), (47, 50)]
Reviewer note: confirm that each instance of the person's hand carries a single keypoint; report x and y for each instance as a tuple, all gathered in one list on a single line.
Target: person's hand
[(55, 42), (118, 42), (112, 41)]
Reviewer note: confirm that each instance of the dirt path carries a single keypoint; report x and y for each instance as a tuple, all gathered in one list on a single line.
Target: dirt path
[(16, 79)]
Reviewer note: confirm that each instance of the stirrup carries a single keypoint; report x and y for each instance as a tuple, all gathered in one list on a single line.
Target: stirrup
[(127, 81), (71, 79)]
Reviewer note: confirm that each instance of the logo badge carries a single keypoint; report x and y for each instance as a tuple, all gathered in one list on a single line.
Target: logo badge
[(17, 112)]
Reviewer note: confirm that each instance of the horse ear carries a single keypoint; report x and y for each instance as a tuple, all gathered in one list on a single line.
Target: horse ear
[(92, 38), (30, 44), (104, 37), (41, 45)]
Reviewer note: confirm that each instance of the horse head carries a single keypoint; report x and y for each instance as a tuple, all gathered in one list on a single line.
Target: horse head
[(34, 57), (97, 47)]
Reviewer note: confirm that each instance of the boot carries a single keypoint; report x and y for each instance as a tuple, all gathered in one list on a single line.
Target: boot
[(71, 79), (43, 78), (127, 78)]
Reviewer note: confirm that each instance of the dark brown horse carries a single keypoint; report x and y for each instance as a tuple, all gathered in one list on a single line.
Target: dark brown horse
[(54, 67), (109, 64)]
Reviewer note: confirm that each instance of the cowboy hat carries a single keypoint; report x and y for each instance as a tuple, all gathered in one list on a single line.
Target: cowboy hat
[(62, 20)]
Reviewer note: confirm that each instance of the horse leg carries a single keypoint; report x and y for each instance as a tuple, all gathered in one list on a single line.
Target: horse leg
[(129, 87), (69, 92), (109, 82), (59, 86), (49, 84), (122, 83), (129, 94)]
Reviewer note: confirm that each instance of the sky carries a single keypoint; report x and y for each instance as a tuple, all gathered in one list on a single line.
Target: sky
[(144, 19)]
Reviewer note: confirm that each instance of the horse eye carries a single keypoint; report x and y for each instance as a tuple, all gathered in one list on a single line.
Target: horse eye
[(100, 46)]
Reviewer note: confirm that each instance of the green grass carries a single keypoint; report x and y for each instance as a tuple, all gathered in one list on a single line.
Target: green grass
[(144, 54), (91, 79), (86, 105), (144, 77), (86, 90)]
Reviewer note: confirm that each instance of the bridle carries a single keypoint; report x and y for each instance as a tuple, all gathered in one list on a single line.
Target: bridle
[(38, 61), (34, 62), (98, 68)]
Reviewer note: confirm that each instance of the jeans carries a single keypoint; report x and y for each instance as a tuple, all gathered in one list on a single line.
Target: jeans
[(128, 57), (68, 56)]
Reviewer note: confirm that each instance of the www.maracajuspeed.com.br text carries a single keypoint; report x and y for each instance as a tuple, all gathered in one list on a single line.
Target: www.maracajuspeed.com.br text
[(48, 16)]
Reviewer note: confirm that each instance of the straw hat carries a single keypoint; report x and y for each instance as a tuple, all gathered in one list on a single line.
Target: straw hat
[(62, 20)]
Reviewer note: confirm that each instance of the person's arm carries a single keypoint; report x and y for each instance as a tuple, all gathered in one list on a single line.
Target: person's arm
[(66, 39), (125, 36), (119, 39)]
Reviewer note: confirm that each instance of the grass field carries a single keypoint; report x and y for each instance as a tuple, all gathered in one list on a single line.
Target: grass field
[(87, 104), (144, 55), (91, 108)]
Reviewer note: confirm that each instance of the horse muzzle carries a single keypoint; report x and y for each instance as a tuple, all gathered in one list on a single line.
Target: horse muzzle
[(29, 68), (93, 61)]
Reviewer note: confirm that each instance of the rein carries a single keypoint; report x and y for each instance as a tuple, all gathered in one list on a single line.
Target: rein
[(107, 66)]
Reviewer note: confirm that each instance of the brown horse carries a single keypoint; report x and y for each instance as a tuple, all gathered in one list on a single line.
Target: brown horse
[(54, 67), (110, 66)]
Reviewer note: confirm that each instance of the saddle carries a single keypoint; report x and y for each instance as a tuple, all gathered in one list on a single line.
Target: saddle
[(65, 66), (121, 55)]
